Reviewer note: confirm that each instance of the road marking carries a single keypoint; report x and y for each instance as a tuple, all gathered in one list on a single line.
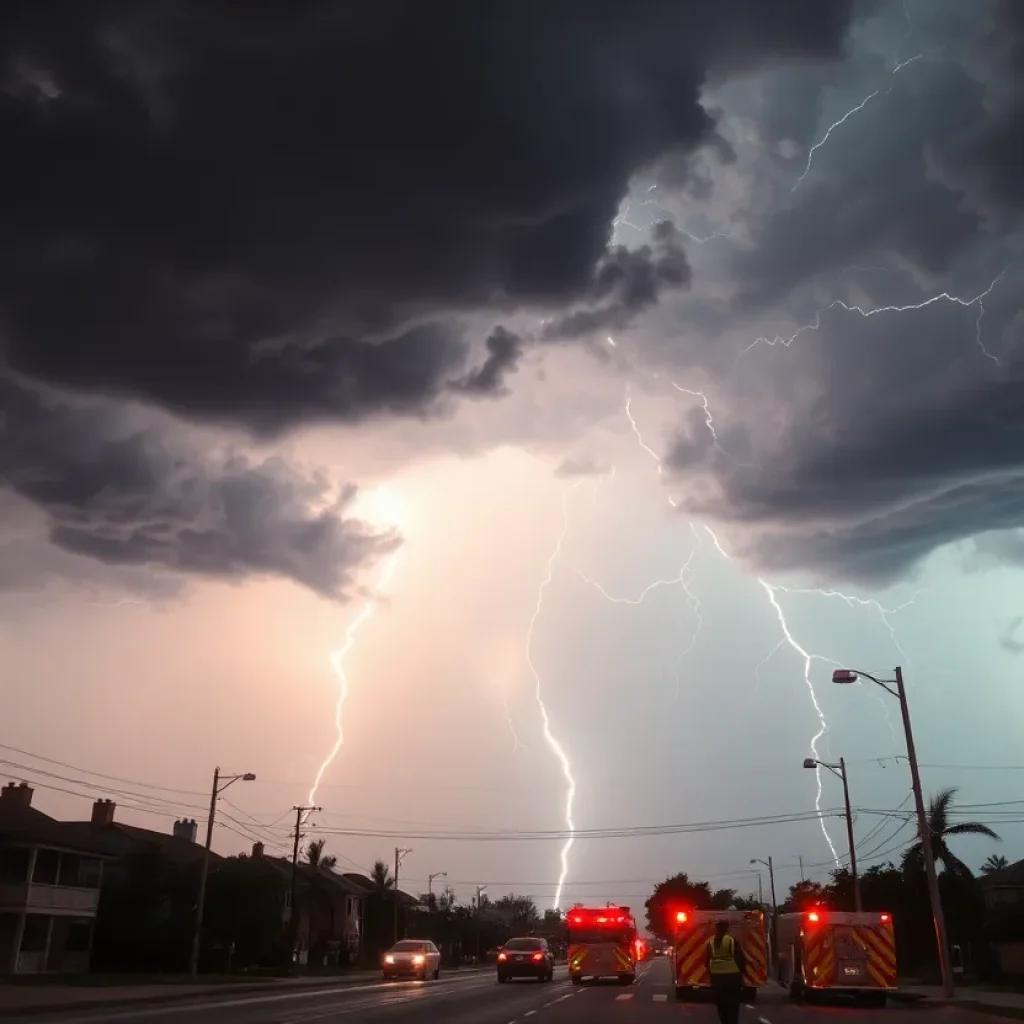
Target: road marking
[(529, 1013), (763, 1020), (660, 997), (568, 995), (622, 998)]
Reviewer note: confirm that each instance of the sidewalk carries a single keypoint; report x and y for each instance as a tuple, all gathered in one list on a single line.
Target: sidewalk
[(969, 997), (22, 1000)]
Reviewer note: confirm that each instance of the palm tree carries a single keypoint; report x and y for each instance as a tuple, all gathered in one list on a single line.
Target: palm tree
[(996, 862), (939, 809), (321, 864), (381, 877)]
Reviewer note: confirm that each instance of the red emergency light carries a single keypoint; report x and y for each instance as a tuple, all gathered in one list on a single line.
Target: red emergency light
[(885, 918), (681, 917), (606, 916), (813, 916)]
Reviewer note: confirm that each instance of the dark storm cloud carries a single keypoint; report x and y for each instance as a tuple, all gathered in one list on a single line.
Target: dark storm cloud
[(265, 215), (125, 497)]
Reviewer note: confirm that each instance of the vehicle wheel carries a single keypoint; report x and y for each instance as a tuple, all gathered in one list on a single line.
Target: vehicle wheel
[(796, 991), (502, 979), (627, 979), (681, 994), (577, 980), (551, 975), (437, 974)]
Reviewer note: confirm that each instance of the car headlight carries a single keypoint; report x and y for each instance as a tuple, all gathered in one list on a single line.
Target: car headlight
[(389, 959), (418, 959)]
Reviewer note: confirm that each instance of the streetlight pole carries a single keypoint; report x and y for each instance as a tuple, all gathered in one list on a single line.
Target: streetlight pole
[(204, 871), (480, 890), (430, 881), (845, 676), (399, 857), (840, 770), (771, 878)]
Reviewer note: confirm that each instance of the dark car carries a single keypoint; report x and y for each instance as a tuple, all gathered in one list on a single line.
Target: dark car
[(528, 957)]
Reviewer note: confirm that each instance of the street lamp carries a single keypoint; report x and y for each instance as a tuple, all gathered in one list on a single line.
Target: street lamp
[(220, 783), (846, 676), (430, 882), (840, 770)]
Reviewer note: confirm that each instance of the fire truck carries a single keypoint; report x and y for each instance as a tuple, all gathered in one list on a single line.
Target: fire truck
[(693, 928), (822, 950), (603, 943)]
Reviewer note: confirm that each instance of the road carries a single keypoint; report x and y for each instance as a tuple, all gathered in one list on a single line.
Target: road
[(478, 999)]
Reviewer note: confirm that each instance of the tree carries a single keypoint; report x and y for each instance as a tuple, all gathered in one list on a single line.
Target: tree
[(243, 911), (519, 912), (939, 810), (804, 893), (321, 864), (381, 877), (996, 862), (675, 893)]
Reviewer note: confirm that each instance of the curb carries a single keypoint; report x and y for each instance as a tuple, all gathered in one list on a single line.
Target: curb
[(978, 1006), (173, 998)]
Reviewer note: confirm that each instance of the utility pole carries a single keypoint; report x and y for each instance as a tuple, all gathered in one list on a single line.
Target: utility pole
[(293, 920), (399, 855), (846, 676), (204, 871), (800, 861), (926, 843), (480, 890), (430, 884), (849, 836)]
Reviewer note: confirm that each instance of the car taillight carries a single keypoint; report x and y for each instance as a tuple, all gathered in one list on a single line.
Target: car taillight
[(812, 915), (885, 918), (538, 956), (502, 956)]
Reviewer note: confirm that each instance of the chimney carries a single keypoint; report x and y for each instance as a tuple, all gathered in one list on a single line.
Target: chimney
[(186, 829), (257, 849), (103, 813), (19, 792)]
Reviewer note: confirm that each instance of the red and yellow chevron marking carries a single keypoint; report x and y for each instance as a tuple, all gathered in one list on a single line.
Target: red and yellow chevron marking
[(755, 946), (577, 954), (877, 941), (623, 960), (691, 961), (880, 944)]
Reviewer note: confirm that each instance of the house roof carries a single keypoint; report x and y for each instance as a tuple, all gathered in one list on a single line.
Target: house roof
[(307, 873), (368, 888), (1010, 877), (130, 839), (27, 824)]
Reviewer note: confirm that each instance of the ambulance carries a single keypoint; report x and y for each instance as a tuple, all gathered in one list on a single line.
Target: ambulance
[(822, 950), (603, 943), (693, 928)]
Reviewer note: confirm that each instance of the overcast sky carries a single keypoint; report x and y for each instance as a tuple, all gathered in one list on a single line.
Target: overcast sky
[(606, 377)]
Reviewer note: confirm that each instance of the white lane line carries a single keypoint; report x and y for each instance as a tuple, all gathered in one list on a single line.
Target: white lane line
[(529, 1013), (622, 998), (568, 995), (660, 997), (763, 1020)]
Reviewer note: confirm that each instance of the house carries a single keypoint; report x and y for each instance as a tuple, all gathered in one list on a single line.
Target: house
[(330, 908), (178, 847), (50, 879), (1005, 886)]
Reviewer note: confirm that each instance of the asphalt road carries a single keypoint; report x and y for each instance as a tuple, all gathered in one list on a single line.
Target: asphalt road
[(478, 999)]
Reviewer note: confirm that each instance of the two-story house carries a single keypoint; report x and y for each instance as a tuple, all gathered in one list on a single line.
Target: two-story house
[(50, 878), (330, 908)]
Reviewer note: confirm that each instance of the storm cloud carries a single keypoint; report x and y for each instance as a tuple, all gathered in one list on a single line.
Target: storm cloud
[(131, 496)]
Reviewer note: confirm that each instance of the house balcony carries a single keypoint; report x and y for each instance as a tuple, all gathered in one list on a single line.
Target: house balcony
[(49, 899)]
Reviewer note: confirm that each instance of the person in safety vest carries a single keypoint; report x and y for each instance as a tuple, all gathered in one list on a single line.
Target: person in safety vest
[(726, 963)]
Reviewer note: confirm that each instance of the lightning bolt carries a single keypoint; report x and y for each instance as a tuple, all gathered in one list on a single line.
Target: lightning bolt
[(836, 124), (787, 636), (517, 743), (808, 660), (337, 659), (627, 212), (549, 736), (815, 324)]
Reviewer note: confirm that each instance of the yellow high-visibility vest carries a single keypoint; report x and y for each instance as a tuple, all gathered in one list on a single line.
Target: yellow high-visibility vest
[(723, 956)]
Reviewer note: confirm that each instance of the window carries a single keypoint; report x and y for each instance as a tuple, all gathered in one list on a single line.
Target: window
[(408, 946), (526, 944)]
